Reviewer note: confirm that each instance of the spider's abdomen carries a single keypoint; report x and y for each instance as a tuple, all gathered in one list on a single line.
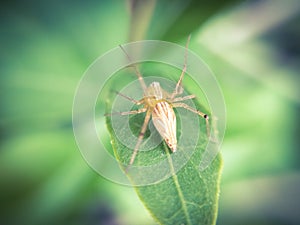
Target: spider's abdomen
[(164, 120)]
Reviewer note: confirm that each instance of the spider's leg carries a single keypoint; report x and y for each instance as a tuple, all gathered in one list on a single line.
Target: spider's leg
[(203, 115), (129, 98), (178, 89), (127, 113), (179, 99), (137, 72), (140, 139)]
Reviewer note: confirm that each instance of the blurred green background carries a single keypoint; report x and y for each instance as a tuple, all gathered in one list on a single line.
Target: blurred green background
[(252, 47)]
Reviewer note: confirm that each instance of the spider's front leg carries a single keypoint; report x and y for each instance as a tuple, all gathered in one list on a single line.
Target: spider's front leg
[(178, 89)]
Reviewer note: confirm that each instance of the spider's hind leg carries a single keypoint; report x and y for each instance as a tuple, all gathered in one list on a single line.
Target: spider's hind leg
[(203, 115), (139, 141)]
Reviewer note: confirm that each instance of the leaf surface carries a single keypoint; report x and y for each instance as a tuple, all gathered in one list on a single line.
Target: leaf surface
[(189, 196)]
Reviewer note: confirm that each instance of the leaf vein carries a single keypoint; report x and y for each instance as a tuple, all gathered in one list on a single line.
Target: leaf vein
[(178, 188)]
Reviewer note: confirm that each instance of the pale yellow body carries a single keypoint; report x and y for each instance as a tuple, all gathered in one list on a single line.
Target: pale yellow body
[(163, 116)]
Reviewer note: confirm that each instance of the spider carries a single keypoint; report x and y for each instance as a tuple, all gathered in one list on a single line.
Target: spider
[(158, 104)]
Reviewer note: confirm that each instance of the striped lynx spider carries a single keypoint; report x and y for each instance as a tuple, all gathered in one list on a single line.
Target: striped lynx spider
[(158, 104)]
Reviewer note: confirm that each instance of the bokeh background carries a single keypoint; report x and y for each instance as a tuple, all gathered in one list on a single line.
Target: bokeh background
[(253, 47)]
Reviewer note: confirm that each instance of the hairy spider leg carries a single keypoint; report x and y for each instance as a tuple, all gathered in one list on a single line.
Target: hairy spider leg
[(140, 139), (137, 72), (203, 115), (178, 89)]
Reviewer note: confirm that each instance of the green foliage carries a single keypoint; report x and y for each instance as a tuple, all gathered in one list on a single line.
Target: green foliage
[(47, 45)]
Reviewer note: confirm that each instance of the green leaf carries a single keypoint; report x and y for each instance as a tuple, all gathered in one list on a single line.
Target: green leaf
[(189, 196)]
